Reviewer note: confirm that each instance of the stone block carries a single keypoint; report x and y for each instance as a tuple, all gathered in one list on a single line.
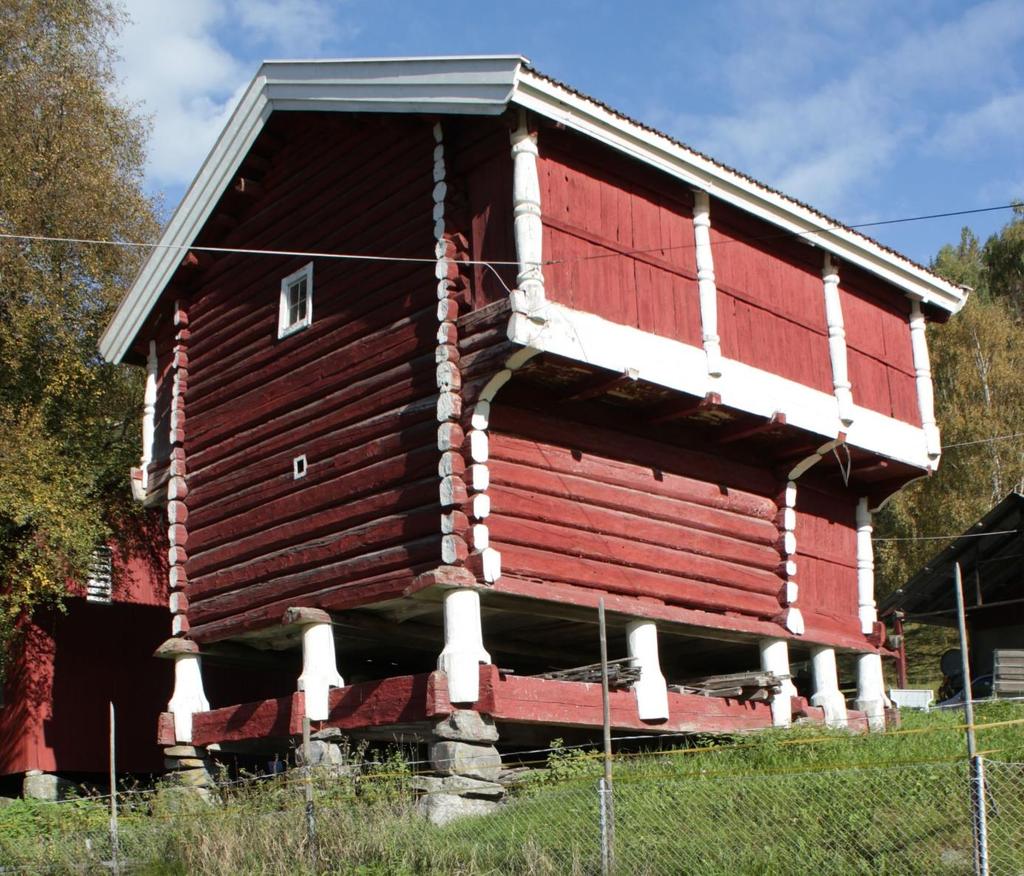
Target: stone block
[(466, 759), (328, 734), (193, 778), (320, 754), (45, 786), (464, 786), (184, 763), (182, 751), (441, 809), (466, 725), (429, 784)]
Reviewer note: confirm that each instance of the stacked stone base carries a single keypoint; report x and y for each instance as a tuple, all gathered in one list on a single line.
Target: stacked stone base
[(188, 769), (467, 767)]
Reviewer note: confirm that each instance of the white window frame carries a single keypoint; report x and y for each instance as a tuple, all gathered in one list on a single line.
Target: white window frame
[(284, 327)]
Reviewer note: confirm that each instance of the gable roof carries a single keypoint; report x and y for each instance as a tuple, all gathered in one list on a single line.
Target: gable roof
[(482, 85)]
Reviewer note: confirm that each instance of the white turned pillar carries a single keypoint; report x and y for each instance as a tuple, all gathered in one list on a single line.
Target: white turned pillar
[(775, 659), (866, 609), (923, 375), (871, 697), (149, 413), (188, 696), (463, 645), (826, 686), (528, 227), (837, 341), (706, 287), (319, 664), (651, 690)]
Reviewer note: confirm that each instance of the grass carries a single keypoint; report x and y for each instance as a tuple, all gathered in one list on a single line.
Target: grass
[(801, 801)]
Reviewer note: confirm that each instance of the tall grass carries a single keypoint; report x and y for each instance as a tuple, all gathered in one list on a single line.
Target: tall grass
[(799, 801)]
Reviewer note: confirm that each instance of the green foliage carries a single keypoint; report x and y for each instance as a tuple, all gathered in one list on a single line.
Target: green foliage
[(72, 167), (977, 360), (807, 800)]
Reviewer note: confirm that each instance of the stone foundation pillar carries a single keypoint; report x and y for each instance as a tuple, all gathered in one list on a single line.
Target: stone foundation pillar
[(463, 645), (651, 690), (826, 686), (189, 767), (467, 767), (775, 659)]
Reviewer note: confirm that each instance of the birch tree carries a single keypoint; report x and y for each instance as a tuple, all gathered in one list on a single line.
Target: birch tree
[(71, 167)]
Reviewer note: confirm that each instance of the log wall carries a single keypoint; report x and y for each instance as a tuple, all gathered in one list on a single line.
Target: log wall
[(627, 515), (354, 392)]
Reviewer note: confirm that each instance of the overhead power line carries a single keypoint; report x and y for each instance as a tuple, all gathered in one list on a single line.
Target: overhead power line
[(493, 264), (984, 440)]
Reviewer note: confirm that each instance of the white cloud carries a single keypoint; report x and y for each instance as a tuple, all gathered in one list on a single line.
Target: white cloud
[(187, 63), (998, 119), (292, 28), (178, 73), (824, 125)]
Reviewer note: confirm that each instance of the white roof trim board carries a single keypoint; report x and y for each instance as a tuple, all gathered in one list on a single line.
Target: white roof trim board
[(479, 85)]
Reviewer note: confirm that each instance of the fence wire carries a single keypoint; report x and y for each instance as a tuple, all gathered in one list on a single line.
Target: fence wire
[(784, 804)]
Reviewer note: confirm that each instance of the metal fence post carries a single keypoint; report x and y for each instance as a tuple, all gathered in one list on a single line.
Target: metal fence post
[(607, 801), (977, 783), (606, 851)]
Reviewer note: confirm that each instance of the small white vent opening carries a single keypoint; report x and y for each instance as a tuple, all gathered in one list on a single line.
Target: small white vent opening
[(299, 466)]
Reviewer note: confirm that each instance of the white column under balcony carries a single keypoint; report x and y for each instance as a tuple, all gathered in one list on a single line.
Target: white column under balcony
[(651, 690), (188, 697), (871, 698), (827, 695), (319, 663), (775, 659), (463, 645)]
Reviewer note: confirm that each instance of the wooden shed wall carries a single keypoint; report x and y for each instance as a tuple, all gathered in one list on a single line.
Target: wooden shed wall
[(354, 392)]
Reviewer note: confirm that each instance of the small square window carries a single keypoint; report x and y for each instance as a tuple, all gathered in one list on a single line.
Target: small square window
[(296, 308)]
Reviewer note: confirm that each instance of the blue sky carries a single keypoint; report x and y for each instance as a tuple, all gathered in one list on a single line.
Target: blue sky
[(867, 110)]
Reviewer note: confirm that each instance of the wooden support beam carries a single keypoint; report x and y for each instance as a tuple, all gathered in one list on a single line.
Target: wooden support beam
[(742, 430), (508, 698), (678, 409), (597, 385)]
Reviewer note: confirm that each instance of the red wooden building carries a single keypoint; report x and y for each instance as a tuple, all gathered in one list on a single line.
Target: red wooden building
[(442, 352), (70, 664)]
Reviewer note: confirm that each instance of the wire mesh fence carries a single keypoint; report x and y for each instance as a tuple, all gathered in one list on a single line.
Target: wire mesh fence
[(785, 803)]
